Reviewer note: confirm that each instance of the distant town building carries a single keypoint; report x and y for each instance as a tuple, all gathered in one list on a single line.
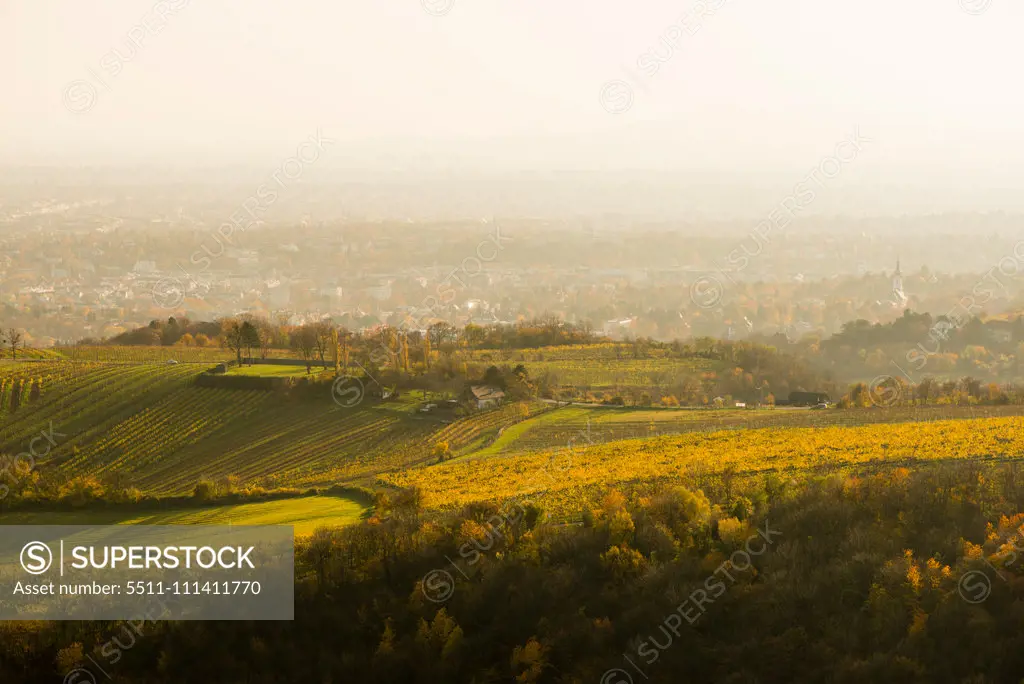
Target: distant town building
[(618, 327), (380, 292)]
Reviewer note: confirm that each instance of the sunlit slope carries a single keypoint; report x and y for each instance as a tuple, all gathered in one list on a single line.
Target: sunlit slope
[(567, 426), (151, 427), (567, 479), (305, 514)]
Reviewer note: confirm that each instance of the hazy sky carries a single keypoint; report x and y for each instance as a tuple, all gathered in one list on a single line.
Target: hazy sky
[(761, 85)]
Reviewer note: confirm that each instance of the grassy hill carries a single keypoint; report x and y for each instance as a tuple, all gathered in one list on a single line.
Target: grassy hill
[(304, 513)]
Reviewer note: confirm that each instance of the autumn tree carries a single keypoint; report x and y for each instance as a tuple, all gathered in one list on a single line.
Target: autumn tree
[(345, 342), (250, 338), (233, 337), (266, 333), (404, 352), (441, 451), (322, 337)]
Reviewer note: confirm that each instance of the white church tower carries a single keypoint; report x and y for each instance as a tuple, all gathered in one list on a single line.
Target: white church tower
[(897, 285)]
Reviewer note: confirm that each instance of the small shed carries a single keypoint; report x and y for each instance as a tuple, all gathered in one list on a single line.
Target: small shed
[(487, 396)]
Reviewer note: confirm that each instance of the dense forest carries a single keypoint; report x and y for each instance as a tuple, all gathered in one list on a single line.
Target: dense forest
[(885, 577), (920, 345)]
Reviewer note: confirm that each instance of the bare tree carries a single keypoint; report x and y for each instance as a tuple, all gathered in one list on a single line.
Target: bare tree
[(440, 333), (344, 340), (304, 341), (14, 337), (233, 336), (265, 333), (322, 339)]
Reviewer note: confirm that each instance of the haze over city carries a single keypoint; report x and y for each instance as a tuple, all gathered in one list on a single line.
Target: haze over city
[(735, 96)]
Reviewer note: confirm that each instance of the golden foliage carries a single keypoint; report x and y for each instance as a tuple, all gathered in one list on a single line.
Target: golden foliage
[(584, 475)]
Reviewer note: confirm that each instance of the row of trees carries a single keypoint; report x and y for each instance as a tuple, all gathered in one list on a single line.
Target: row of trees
[(277, 333), (890, 391)]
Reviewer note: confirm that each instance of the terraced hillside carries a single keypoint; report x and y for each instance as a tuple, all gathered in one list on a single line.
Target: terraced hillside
[(151, 426), (81, 400)]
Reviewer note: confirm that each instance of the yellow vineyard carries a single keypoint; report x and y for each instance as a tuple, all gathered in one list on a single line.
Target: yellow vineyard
[(565, 480)]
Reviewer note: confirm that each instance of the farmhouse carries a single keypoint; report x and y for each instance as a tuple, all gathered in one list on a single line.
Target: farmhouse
[(486, 396)]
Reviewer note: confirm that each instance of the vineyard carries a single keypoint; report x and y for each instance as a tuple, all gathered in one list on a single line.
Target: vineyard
[(139, 354), (29, 353), (591, 425), (565, 481), (151, 427), (78, 399), (154, 429), (472, 433), (292, 444), (569, 353), (600, 366)]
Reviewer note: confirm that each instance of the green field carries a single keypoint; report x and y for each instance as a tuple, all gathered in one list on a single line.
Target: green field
[(306, 514), (274, 371)]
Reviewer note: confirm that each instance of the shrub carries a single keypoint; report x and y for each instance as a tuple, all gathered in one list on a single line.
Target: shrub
[(81, 491), (205, 490)]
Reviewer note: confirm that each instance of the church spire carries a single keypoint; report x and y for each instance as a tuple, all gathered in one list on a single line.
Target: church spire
[(897, 282)]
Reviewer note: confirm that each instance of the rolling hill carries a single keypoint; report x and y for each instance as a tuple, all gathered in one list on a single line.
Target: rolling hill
[(152, 427)]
